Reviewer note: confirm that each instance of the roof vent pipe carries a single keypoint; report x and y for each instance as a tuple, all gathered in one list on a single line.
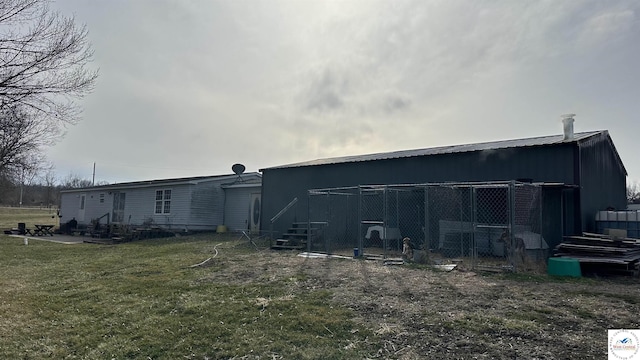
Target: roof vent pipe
[(567, 122)]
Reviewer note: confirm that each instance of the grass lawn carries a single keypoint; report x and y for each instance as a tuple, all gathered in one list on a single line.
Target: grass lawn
[(145, 300), (10, 217), (142, 300)]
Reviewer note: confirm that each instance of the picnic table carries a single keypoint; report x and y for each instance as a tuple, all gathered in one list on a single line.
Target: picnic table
[(42, 230)]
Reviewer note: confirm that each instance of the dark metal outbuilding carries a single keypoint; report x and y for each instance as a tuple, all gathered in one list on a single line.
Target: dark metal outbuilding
[(585, 169)]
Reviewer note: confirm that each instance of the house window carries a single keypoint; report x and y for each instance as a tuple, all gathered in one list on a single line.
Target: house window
[(82, 202), (163, 201)]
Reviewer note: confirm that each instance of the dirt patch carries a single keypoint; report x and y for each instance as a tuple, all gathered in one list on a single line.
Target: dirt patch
[(418, 313)]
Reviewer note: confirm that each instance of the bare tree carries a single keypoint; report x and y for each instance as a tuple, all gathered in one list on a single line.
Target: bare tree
[(74, 181), (48, 181), (633, 192), (22, 137), (44, 59)]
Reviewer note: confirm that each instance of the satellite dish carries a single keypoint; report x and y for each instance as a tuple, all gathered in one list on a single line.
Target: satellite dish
[(238, 169)]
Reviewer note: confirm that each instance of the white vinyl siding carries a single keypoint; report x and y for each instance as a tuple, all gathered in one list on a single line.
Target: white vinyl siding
[(207, 205), (93, 207), (192, 206)]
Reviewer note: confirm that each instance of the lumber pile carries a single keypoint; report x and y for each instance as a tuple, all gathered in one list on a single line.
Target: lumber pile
[(602, 253)]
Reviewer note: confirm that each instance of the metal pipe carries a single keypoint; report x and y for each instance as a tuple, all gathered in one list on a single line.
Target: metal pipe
[(427, 231), (279, 214), (360, 236)]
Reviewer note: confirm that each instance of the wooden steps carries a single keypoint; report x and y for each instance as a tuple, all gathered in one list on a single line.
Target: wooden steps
[(295, 238), (286, 244)]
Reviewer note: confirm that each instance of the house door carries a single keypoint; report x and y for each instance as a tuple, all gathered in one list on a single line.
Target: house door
[(255, 213), (118, 207), (82, 204)]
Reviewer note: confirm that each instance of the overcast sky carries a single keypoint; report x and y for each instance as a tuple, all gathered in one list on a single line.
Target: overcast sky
[(189, 88)]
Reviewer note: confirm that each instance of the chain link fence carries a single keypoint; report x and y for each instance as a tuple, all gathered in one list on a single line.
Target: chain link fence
[(480, 225), (333, 220)]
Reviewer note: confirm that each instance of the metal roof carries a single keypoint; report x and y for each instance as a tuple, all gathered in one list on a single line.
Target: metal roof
[(174, 181), (494, 145)]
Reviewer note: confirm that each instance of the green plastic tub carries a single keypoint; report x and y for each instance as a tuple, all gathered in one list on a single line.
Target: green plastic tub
[(564, 267)]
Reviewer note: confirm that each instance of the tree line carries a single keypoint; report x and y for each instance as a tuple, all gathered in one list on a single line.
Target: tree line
[(42, 191)]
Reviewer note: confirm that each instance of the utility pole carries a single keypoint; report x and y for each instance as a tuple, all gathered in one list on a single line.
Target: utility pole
[(21, 185), (93, 179)]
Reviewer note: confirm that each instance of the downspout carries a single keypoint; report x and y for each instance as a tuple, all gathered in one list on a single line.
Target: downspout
[(224, 205)]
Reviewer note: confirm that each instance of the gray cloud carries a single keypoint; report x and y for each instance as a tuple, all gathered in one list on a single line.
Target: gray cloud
[(326, 92), (193, 87)]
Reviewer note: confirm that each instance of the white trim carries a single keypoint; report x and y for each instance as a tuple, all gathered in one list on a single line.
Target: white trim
[(162, 201)]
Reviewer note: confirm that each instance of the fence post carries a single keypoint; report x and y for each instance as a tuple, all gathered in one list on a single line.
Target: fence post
[(328, 215), (385, 221), (427, 231), (511, 206), (360, 240), (474, 223), (309, 197), (542, 252)]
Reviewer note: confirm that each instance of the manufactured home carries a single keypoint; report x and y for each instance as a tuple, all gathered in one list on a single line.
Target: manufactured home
[(182, 204)]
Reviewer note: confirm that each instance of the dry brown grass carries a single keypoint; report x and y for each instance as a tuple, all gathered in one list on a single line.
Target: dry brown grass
[(143, 299)]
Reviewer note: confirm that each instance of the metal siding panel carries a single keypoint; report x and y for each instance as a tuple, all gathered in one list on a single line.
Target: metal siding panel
[(544, 164), (602, 180), (279, 187)]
